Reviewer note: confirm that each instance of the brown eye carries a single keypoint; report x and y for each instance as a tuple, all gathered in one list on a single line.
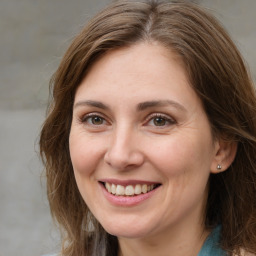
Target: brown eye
[(159, 121), (96, 120)]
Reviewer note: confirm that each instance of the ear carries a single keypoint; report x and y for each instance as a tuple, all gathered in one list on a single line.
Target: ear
[(225, 152)]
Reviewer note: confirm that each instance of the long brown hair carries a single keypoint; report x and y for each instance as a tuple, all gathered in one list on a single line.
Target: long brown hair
[(219, 77)]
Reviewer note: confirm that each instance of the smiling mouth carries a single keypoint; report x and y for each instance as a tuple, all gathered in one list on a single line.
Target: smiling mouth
[(129, 190)]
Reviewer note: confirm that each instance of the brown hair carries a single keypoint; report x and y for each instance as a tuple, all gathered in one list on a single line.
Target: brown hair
[(219, 77)]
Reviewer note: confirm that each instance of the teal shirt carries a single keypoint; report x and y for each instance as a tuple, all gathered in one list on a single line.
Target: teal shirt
[(211, 246)]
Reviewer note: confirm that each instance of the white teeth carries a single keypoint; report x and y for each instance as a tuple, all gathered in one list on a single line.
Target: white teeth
[(108, 187), (113, 188), (120, 190), (137, 189), (129, 190), (144, 188)]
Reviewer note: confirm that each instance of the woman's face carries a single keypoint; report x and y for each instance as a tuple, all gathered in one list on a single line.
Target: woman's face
[(140, 143)]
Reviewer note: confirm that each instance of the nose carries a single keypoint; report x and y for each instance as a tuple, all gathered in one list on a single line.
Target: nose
[(123, 151)]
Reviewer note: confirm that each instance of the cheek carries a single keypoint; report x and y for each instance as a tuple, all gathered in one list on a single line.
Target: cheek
[(84, 153), (185, 165), (183, 155), (171, 154), (85, 157)]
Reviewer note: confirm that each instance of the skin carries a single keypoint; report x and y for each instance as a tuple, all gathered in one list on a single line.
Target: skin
[(115, 139)]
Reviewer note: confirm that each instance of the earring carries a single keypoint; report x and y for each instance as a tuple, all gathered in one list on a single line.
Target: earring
[(219, 167)]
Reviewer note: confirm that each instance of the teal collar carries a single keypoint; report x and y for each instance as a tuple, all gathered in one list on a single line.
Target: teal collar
[(211, 246)]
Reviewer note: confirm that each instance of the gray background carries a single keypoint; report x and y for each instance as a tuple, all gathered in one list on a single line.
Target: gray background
[(33, 36)]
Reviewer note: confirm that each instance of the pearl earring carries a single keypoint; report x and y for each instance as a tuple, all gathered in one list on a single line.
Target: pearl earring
[(219, 167)]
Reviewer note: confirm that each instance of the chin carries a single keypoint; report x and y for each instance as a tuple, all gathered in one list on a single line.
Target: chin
[(126, 230), (126, 233)]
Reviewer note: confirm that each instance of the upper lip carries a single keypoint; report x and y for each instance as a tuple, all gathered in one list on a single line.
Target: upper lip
[(127, 182)]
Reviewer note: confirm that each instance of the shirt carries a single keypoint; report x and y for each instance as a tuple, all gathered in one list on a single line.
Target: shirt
[(211, 245)]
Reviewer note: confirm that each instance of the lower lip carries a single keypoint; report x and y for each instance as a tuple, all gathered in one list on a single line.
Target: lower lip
[(127, 200)]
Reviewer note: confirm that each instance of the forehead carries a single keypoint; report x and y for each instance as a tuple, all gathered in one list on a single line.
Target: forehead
[(137, 66)]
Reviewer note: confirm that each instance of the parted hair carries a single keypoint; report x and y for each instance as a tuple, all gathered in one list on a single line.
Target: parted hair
[(218, 75)]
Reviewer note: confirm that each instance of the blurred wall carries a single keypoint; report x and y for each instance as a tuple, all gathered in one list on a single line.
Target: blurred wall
[(33, 36)]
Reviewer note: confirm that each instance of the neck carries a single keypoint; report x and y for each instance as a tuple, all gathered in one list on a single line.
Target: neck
[(185, 241)]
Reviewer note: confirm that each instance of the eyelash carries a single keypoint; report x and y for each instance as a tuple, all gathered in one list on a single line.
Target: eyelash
[(170, 121), (90, 116), (165, 118)]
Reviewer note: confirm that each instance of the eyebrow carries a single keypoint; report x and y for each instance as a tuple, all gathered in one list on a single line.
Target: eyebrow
[(91, 103), (160, 103), (140, 107)]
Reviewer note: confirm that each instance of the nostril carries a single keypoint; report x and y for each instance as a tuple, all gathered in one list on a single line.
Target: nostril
[(123, 159)]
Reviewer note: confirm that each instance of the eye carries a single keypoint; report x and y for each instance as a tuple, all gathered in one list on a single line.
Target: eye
[(93, 120), (160, 120), (96, 120)]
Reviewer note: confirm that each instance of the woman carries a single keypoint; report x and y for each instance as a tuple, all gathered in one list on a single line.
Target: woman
[(150, 140)]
